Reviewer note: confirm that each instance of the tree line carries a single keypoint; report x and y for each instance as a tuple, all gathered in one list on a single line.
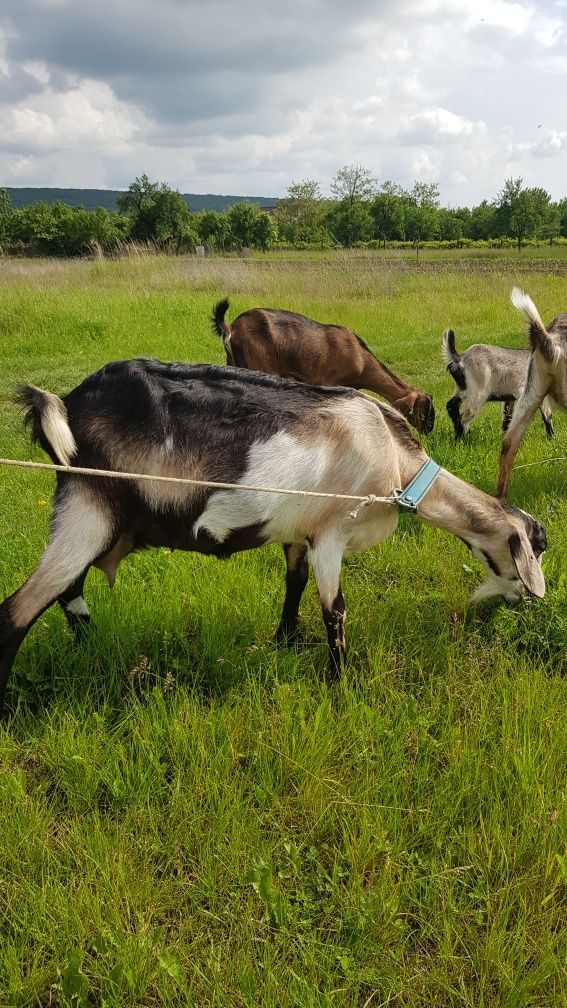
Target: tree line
[(360, 213)]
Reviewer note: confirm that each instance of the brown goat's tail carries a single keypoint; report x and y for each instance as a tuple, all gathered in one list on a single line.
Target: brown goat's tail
[(47, 416), (540, 339), (221, 327), (453, 359)]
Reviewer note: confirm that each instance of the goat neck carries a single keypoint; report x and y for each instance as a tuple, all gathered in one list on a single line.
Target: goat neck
[(508, 542)]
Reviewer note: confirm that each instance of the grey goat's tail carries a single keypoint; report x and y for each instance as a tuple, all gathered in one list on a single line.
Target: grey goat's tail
[(452, 359)]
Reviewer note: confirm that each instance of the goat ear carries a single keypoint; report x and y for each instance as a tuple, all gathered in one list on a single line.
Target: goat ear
[(527, 566)]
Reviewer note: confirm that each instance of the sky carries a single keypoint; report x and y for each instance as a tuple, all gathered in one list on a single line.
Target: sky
[(245, 97)]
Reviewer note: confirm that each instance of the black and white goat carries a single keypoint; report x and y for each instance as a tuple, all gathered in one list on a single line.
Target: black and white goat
[(236, 426), (486, 373), (547, 378)]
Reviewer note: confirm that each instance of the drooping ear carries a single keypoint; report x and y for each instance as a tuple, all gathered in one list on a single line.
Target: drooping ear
[(527, 566), (404, 405)]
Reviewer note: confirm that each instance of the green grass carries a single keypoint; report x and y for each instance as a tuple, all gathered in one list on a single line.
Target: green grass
[(190, 816)]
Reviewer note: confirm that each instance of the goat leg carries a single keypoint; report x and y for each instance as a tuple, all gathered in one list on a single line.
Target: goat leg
[(297, 573), (523, 415)]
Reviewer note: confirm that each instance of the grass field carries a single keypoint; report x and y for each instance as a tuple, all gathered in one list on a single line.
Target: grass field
[(190, 816)]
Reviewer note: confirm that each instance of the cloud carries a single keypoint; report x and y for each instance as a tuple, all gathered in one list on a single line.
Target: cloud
[(550, 146), (435, 125), (486, 15), (86, 115), (180, 60), (245, 98)]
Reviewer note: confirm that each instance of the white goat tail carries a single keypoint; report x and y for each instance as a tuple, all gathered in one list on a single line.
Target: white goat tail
[(524, 304), (47, 415), (540, 338), (56, 428)]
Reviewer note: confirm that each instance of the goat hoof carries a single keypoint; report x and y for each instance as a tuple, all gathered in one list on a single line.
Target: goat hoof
[(78, 625), (286, 637), (333, 675)]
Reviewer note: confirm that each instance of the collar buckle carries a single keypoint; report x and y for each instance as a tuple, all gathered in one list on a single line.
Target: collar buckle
[(409, 498)]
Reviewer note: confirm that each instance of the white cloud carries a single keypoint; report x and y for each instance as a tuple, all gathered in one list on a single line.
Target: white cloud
[(514, 18), (552, 145), (26, 127), (433, 125), (87, 115), (20, 169), (459, 178), (549, 31), (425, 165)]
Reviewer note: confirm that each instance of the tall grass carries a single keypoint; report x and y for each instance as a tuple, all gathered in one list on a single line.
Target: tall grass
[(190, 816)]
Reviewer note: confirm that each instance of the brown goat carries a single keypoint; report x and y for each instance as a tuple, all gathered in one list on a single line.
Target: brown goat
[(293, 346)]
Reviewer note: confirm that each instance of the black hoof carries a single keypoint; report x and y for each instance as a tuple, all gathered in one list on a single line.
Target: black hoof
[(293, 637)]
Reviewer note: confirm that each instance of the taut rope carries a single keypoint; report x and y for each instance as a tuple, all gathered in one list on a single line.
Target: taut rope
[(113, 474)]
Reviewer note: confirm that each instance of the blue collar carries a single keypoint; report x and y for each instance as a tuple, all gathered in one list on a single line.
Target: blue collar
[(417, 488)]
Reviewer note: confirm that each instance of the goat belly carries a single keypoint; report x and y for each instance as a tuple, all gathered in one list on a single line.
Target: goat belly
[(238, 540), (176, 532)]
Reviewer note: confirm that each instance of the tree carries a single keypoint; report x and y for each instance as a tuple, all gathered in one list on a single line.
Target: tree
[(158, 214), (207, 225), (174, 227), (242, 220), (548, 221), (425, 194), (388, 213), (140, 204), (5, 211), (72, 230), (34, 226), (300, 216), (450, 225), (350, 222), (108, 227), (517, 210), (562, 214), (464, 215), (483, 222), (422, 212), (61, 230), (214, 229), (353, 182), (265, 231)]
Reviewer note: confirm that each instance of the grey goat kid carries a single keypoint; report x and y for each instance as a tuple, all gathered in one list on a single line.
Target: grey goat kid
[(547, 377), (237, 426), (486, 373)]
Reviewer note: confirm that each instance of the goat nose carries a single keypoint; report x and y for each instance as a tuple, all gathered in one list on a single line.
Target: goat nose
[(424, 420)]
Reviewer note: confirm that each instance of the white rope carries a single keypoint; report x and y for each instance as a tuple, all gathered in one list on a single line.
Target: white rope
[(113, 474), (552, 458)]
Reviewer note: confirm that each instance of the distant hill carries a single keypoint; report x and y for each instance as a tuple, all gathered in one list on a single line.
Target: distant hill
[(92, 198)]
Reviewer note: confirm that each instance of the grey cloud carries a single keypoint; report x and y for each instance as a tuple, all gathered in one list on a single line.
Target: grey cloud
[(17, 85), (181, 60)]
